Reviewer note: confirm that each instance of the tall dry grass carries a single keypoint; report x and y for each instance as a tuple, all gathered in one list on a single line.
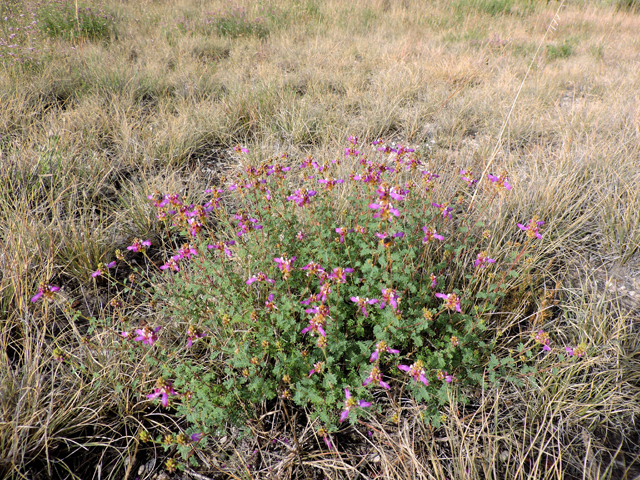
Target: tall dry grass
[(90, 128)]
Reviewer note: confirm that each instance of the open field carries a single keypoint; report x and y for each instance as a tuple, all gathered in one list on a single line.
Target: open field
[(101, 108)]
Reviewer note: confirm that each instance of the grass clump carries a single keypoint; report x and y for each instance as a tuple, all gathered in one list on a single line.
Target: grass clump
[(236, 22), (65, 19)]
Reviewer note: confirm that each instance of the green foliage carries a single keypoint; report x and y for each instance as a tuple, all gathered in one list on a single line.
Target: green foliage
[(236, 22), (62, 19), (629, 5), (292, 292), (562, 50)]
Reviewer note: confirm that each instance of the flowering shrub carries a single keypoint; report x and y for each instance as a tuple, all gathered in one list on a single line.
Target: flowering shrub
[(329, 287)]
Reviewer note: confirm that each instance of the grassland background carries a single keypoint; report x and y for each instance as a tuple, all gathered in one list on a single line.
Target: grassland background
[(89, 127)]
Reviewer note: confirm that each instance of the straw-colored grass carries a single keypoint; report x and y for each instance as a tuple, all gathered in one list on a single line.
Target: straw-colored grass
[(89, 128)]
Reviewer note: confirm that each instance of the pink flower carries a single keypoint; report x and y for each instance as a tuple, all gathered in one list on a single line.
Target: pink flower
[(532, 228), (284, 264), (363, 302), (192, 334), (431, 234), (500, 182), (445, 210), (342, 232), (240, 149), (186, 251), (317, 368), (300, 235), (389, 296), (542, 338), (313, 268), (416, 371), (467, 176), (350, 403), (139, 245), (100, 270), (223, 246), (483, 260), (318, 321), (260, 277), (451, 301), (434, 281), (381, 347), (171, 264), (353, 139), (387, 239), (270, 304), (339, 274), (45, 291), (375, 376), (147, 335), (163, 390), (301, 196)]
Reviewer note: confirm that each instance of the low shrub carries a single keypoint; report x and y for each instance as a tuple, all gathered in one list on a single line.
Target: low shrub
[(62, 19)]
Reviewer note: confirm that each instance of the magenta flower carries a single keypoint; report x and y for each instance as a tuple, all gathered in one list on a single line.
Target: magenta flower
[(339, 274), (301, 196), (329, 183), (313, 268), (325, 290), (240, 149), (387, 239), (434, 281), (317, 368), (350, 403), (196, 437), (385, 210), (222, 246), (353, 139), (139, 245), (579, 351), (342, 232), (284, 264), (147, 335), (171, 264), (445, 210), (244, 226), (186, 251), (363, 302), (444, 377), (389, 296), (163, 390), (483, 260), (270, 304), (467, 176), (430, 235), (193, 334), (532, 228), (260, 277), (451, 301), (542, 338), (101, 267), (416, 371), (45, 291), (500, 182), (375, 376), (381, 347), (318, 321)]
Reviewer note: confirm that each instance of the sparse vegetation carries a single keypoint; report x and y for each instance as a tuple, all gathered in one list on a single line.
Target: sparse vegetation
[(123, 123)]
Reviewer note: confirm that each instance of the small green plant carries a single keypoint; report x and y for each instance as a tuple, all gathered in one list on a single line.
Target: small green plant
[(63, 19), (562, 50), (236, 22)]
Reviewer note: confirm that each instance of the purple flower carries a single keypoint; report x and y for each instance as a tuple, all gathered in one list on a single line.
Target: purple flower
[(434, 281), (445, 210), (284, 264), (387, 239), (339, 274), (45, 291), (430, 234), (270, 304), (147, 335), (163, 390), (192, 334), (483, 260), (467, 176), (385, 210), (317, 368), (342, 232), (389, 296), (451, 301), (381, 347), (353, 139), (222, 246), (532, 228), (350, 403), (196, 437), (375, 376), (260, 277), (416, 371), (542, 338), (329, 183), (500, 182), (363, 302), (171, 264), (240, 149), (301, 196), (313, 268), (101, 267), (139, 245), (318, 321), (186, 251)]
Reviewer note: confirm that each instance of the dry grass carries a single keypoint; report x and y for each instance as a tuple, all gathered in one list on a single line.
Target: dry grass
[(94, 127)]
